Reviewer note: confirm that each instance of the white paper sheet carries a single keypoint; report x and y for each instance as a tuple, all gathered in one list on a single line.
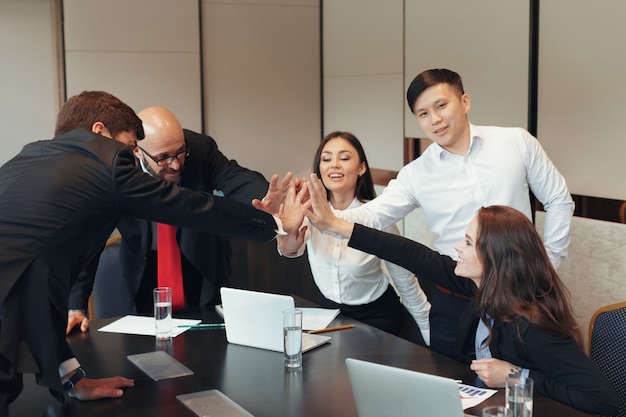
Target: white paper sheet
[(317, 318), (472, 396), (144, 325)]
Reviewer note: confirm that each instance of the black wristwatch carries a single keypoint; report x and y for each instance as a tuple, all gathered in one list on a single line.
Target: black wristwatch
[(71, 383)]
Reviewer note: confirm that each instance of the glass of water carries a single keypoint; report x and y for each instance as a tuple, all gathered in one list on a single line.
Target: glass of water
[(519, 395), (292, 334), (163, 312)]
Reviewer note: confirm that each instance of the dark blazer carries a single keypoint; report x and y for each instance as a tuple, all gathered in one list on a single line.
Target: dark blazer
[(206, 170), (558, 367), (60, 199)]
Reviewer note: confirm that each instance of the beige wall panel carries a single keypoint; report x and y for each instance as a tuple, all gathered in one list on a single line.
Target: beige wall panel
[(166, 79), (363, 75), (362, 37), (581, 94), (486, 42), (146, 52), (371, 108), (262, 83), (27, 95), (132, 25)]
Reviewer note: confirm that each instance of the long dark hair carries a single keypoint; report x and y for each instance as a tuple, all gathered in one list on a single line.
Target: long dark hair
[(364, 190), (519, 279)]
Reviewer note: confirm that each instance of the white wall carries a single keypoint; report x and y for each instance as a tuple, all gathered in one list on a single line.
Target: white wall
[(145, 52), (27, 94), (581, 93), (261, 70), (485, 41), (374, 48), (262, 82), (364, 77)]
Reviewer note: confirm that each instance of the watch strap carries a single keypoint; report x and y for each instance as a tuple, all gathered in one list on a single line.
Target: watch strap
[(71, 383)]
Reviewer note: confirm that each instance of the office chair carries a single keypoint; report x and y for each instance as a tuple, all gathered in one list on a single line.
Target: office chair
[(607, 347), (107, 298)]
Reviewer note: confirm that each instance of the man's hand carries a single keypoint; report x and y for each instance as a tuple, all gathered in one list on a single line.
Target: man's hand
[(275, 195), (92, 389), (76, 318)]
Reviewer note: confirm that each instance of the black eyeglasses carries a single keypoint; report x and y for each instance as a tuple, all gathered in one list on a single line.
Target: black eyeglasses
[(167, 160)]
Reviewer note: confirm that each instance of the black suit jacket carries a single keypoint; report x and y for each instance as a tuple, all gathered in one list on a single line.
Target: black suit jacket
[(60, 200), (558, 367), (206, 170)]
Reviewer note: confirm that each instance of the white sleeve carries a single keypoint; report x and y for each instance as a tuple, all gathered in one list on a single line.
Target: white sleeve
[(395, 202), (413, 297), (550, 188), (300, 250)]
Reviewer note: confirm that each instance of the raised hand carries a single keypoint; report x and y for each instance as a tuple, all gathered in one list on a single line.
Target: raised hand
[(319, 212), (292, 216), (275, 194)]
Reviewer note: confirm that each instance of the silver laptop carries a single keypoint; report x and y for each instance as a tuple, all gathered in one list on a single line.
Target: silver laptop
[(381, 390), (255, 319)]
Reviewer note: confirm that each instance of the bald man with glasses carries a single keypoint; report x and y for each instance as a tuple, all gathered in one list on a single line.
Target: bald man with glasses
[(193, 161)]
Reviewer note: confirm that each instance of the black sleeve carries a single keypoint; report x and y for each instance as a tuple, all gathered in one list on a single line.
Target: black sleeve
[(561, 371), (222, 174), (417, 258)]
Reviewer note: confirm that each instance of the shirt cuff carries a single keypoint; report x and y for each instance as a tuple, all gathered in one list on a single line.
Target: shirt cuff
[(279, 223), (68, 366), (525, 373)]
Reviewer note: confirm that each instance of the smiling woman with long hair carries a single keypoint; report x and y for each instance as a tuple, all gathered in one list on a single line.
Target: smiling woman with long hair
[(349, 280), (520, 317)]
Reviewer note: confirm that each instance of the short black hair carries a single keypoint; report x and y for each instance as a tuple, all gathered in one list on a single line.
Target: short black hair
[(430, 78)]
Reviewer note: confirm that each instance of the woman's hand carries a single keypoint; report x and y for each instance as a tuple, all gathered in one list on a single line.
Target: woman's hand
[(320, 214), (492, 372), (291, 214)]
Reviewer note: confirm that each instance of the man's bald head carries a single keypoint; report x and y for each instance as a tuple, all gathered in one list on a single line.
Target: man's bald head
[(163, 138)]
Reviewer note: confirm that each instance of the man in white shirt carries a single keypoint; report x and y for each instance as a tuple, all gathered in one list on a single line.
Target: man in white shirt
[(465, 168)]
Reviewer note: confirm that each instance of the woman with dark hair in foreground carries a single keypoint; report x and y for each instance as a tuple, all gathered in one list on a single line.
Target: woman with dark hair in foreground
[(520, 316)]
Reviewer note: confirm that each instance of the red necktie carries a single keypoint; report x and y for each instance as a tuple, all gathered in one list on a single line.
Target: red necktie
[(169, 270)]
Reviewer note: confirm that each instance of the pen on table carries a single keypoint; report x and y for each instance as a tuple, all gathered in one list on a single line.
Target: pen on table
[(332, 329), (208, 326)]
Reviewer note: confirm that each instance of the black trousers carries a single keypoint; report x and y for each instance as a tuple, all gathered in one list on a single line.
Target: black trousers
[(11, 385), (386, 313)]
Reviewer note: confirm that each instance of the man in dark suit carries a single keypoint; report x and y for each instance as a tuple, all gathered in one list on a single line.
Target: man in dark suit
[(199, 166), (60, 199)]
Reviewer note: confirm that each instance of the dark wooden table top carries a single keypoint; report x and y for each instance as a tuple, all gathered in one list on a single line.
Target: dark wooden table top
[(253, 378)]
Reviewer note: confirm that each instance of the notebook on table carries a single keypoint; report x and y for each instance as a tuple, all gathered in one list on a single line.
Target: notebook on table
[(381, 390), (255, 319)]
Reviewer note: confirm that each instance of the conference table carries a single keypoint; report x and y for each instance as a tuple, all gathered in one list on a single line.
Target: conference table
[(253, 378)]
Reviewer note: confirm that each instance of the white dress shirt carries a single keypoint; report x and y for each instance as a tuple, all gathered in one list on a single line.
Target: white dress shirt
[(349, 276), (500, 167)]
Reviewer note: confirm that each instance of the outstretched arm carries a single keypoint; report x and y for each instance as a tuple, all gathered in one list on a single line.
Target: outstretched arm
[(275, 196)]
